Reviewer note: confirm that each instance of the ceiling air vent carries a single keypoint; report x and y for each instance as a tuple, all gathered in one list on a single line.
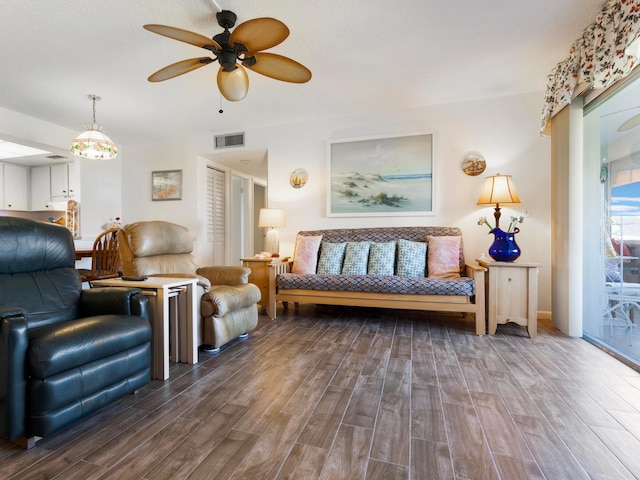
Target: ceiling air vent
[(231, 140)]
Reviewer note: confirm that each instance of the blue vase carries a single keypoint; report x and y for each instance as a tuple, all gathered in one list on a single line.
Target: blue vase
[(504, 247)]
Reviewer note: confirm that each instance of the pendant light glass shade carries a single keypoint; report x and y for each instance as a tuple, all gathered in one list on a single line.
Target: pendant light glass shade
[(92, 143)]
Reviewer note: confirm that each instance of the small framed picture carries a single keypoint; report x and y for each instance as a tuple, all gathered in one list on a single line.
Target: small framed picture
[(166, 185)]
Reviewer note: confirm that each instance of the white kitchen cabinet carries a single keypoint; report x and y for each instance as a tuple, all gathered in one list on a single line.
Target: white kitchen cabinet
[(16, 187), (63, 181), (41, 188)]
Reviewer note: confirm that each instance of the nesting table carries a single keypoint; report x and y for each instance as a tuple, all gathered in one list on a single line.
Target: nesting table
[(179, 317)]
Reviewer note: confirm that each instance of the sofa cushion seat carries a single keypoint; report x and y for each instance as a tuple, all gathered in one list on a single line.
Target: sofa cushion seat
[(463, 286)]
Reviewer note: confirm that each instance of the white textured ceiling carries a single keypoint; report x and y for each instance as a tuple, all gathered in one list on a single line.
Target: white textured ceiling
[(365, 55)]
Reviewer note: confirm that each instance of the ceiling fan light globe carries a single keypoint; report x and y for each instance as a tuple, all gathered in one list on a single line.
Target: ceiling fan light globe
[(233, 85)]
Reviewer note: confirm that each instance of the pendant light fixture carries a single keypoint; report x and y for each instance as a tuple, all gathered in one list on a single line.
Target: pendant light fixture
[(92, 143)]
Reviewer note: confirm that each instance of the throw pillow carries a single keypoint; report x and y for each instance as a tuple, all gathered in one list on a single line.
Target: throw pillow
[(382, 256), (444, 257), (355, 258), (331, 256), (305, 254), (412, 258)]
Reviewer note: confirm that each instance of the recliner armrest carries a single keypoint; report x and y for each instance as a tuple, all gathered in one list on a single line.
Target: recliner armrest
[(114, 300), (225, 275), (13, 350)]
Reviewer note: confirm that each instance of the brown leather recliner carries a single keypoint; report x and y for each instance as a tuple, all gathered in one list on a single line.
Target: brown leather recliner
[(228, 305)]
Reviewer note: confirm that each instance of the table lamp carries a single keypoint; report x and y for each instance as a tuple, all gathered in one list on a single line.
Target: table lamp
[(498, 189), (272, 218)]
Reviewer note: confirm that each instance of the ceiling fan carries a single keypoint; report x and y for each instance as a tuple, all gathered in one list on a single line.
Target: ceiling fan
[(233, 51)]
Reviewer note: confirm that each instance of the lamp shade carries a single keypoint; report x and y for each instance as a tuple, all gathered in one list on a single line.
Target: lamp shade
[(498, 189), (94, 144), (271, 217)]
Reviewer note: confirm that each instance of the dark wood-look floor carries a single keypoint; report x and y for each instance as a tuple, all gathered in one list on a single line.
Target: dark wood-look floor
[(336, 393)]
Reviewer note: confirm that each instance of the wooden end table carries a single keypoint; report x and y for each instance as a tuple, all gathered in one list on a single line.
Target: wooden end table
[(512, 294), (260, 276)]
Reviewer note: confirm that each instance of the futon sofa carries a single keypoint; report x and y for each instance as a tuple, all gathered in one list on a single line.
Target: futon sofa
[(417, 268), (64, 351)]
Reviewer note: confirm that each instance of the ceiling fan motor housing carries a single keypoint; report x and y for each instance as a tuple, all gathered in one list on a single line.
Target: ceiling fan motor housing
[(226, 19), (228, 60)]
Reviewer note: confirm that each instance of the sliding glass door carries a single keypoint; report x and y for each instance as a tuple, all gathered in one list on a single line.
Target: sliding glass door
[(612, 144)]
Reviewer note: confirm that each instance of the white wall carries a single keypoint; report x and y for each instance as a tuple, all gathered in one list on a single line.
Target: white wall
[(503, 130), (142, 159), (100, 194), (24, 127)]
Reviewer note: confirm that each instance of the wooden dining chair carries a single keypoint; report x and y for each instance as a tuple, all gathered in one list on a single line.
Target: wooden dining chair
[(105, 257)]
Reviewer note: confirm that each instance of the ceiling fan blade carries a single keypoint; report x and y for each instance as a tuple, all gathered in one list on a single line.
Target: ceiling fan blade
[(233, 85), (179, 68), (184, 36), (630, 123), (281, 68), (259, 34)]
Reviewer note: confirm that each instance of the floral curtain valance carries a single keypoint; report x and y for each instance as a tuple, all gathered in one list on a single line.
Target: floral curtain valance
[(599, 58)]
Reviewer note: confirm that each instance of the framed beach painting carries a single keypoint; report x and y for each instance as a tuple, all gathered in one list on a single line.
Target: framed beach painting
[(381, 176), (166, 185)]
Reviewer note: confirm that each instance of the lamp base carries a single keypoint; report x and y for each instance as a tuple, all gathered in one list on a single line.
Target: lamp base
[(272, 240)]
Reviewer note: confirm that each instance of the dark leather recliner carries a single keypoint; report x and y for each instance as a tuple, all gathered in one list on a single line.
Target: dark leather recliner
[(64, 351)]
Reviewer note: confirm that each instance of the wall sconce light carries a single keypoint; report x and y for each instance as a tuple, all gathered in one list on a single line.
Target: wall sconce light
[(298, 178), (474, 164), (272, 218)]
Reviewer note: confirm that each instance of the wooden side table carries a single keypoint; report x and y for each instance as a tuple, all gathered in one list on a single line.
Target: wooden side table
[(512, 294), (260, 276)]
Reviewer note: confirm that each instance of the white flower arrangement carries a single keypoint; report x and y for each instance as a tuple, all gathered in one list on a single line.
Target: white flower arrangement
[(512, 224), (112, 223)]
